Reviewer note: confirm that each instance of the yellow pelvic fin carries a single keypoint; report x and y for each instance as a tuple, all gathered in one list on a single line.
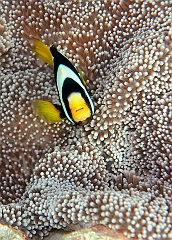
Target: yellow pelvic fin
[(43, 52), (46, 110), (81, 75)]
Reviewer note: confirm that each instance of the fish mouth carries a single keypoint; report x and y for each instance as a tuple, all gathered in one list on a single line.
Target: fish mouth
[(79, 109)]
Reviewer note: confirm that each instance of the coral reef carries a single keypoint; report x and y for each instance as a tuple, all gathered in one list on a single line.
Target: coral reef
[(113, 171)]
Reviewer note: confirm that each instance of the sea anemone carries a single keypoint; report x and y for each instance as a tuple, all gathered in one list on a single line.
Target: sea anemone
[(113, 171)]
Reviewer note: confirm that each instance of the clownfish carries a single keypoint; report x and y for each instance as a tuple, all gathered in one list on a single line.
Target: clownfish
[(76, 103)]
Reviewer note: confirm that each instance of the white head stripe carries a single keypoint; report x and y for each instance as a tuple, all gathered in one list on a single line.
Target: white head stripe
[(64, 72)]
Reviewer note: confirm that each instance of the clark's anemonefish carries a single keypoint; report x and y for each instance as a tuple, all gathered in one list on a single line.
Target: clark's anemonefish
[(76, 104)]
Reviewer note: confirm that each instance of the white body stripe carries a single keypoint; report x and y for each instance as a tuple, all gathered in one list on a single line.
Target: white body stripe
[(64, 72)]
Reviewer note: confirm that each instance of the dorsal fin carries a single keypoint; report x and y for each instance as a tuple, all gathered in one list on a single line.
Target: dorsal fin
[(59, 58)]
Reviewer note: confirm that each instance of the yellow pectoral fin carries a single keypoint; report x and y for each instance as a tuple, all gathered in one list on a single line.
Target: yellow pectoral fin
[(43, 52), (47, 111), (81, 75)]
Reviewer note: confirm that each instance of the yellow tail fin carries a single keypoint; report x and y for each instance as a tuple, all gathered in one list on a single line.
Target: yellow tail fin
[(43, 52), (47, 111)]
